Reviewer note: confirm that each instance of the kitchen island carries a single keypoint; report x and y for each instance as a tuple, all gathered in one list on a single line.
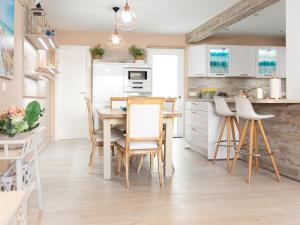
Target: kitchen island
[(283, 131)]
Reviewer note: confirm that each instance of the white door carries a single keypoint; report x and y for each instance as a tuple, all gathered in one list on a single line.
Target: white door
[(71, 86), (168, 78)]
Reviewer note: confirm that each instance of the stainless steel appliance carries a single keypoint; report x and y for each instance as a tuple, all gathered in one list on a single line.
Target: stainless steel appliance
[(137, 80)]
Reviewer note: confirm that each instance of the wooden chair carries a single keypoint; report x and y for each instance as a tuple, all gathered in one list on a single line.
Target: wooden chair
[(169, 106), (96, 136), (117, 103), (144, 132)]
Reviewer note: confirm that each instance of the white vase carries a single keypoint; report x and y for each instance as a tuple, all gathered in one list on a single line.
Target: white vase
[(139, 61)]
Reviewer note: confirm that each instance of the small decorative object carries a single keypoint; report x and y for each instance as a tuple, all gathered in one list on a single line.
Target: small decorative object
[(16, 120), (115, 40), (127, 20), (137, 53), (97, 52), (37, 21), (259, 91), (208, 93)]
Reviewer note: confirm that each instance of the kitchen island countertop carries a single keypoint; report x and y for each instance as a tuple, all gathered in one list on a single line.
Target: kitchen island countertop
[(254, 101)]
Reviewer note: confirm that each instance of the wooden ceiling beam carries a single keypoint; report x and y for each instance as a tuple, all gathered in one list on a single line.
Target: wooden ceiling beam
[(232, 15)]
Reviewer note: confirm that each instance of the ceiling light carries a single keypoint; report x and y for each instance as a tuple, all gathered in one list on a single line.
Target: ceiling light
[(43, 43), (115, 40), (127, 20)]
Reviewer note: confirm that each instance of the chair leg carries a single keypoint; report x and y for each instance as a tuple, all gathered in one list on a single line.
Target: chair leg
[(92, 157), (112, 150), (151, 164), (119, 162), (242, 138), (237, 125), (219, 139), (142, 157), (127, 169), (160, 173), (233, 133), (255, 146), (228, 142), (268, 148), (250, 151)]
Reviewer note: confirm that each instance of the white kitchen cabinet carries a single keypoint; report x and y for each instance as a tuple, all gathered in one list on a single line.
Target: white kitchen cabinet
[(243, 61), (198, 60), (219, 60), (268, 61), (281, 71), (202, 128)]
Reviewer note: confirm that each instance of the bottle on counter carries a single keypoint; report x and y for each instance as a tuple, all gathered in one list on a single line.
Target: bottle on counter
[(259, 91)]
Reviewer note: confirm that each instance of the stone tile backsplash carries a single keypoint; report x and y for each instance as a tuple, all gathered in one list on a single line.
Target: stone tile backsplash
[(231, 85)]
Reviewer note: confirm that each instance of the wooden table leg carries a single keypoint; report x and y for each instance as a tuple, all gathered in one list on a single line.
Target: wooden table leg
[(169, 148), (106, 149)]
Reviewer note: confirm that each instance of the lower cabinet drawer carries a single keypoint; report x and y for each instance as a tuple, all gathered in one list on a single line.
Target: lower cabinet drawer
[(199, 137), (197, 119)]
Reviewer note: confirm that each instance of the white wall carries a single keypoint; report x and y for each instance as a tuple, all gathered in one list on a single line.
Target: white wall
[(293, 49)]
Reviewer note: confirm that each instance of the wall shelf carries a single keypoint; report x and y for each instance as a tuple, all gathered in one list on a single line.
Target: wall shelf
[(39, 76), (42, 42), (48, 70)]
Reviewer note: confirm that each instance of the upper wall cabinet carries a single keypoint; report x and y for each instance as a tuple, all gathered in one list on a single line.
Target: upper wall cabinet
[(243, 61), (270, 60), (198, 60), (219, 58)]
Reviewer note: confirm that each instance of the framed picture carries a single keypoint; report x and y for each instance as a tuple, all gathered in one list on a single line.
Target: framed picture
[(7, 38)]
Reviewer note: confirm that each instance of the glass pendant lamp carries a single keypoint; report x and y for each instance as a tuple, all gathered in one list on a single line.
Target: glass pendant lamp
[(115, 40), (127, 20)]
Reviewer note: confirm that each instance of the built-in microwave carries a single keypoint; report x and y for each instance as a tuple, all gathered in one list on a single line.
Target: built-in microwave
[(138, 80)]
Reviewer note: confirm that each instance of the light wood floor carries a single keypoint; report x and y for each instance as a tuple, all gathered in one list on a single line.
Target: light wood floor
[(198, 193)]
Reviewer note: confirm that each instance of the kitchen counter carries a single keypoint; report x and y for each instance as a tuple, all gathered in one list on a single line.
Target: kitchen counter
[(254, 101), (283, 131)]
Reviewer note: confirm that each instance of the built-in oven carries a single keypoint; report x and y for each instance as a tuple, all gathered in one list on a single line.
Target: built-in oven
[(138, 80)]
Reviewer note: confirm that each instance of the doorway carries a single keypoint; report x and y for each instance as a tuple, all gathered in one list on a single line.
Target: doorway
[(168, 79), (71, 85)]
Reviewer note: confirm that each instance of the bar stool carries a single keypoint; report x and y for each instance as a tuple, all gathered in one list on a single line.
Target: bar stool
[(246, 111), (229, 121)]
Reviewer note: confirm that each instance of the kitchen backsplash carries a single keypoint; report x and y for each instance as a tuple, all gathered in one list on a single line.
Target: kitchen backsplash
[(231, 85)]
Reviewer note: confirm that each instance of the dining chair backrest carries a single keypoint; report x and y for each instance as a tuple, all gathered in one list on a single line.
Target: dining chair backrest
[(222, 106), (144, 118), (170, 104), (117, 102), (90, 116), (244, 107)]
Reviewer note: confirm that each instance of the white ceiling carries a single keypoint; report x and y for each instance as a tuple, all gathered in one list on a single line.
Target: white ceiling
[(156, 16), (267, 22)]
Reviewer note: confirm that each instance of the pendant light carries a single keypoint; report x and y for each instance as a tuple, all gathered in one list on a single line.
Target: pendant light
[(127, 20), (115, 40)]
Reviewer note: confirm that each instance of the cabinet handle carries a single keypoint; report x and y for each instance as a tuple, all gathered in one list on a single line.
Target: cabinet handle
[(244, 75), (194, 112), (219, 74)]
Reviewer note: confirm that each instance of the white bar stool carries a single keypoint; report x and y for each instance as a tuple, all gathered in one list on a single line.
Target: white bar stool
[(245, 111), (229, 121)]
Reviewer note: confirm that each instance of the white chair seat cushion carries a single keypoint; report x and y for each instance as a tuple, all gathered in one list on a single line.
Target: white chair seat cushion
[(258, 117), (138, 145), (114, 136)]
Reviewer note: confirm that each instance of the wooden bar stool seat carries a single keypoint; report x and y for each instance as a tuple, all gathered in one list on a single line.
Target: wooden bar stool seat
[(231, 123), (253, 121)]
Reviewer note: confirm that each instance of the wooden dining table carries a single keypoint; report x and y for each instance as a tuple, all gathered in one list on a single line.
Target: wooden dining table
[(111, 117)]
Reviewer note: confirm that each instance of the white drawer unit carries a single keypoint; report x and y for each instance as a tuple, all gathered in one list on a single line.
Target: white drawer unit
[(202, 128)]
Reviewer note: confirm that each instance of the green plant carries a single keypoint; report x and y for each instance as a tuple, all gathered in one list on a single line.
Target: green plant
[(135, 51), (97, 50), (32, 114)]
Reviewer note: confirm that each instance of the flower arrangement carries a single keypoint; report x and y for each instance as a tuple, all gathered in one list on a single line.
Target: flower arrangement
[(137, 53), (16, 120), (97, 52), (208, 93)]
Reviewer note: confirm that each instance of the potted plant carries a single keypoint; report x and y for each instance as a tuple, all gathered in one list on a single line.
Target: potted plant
[(97, 52), (16, 120), (137, 53)]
